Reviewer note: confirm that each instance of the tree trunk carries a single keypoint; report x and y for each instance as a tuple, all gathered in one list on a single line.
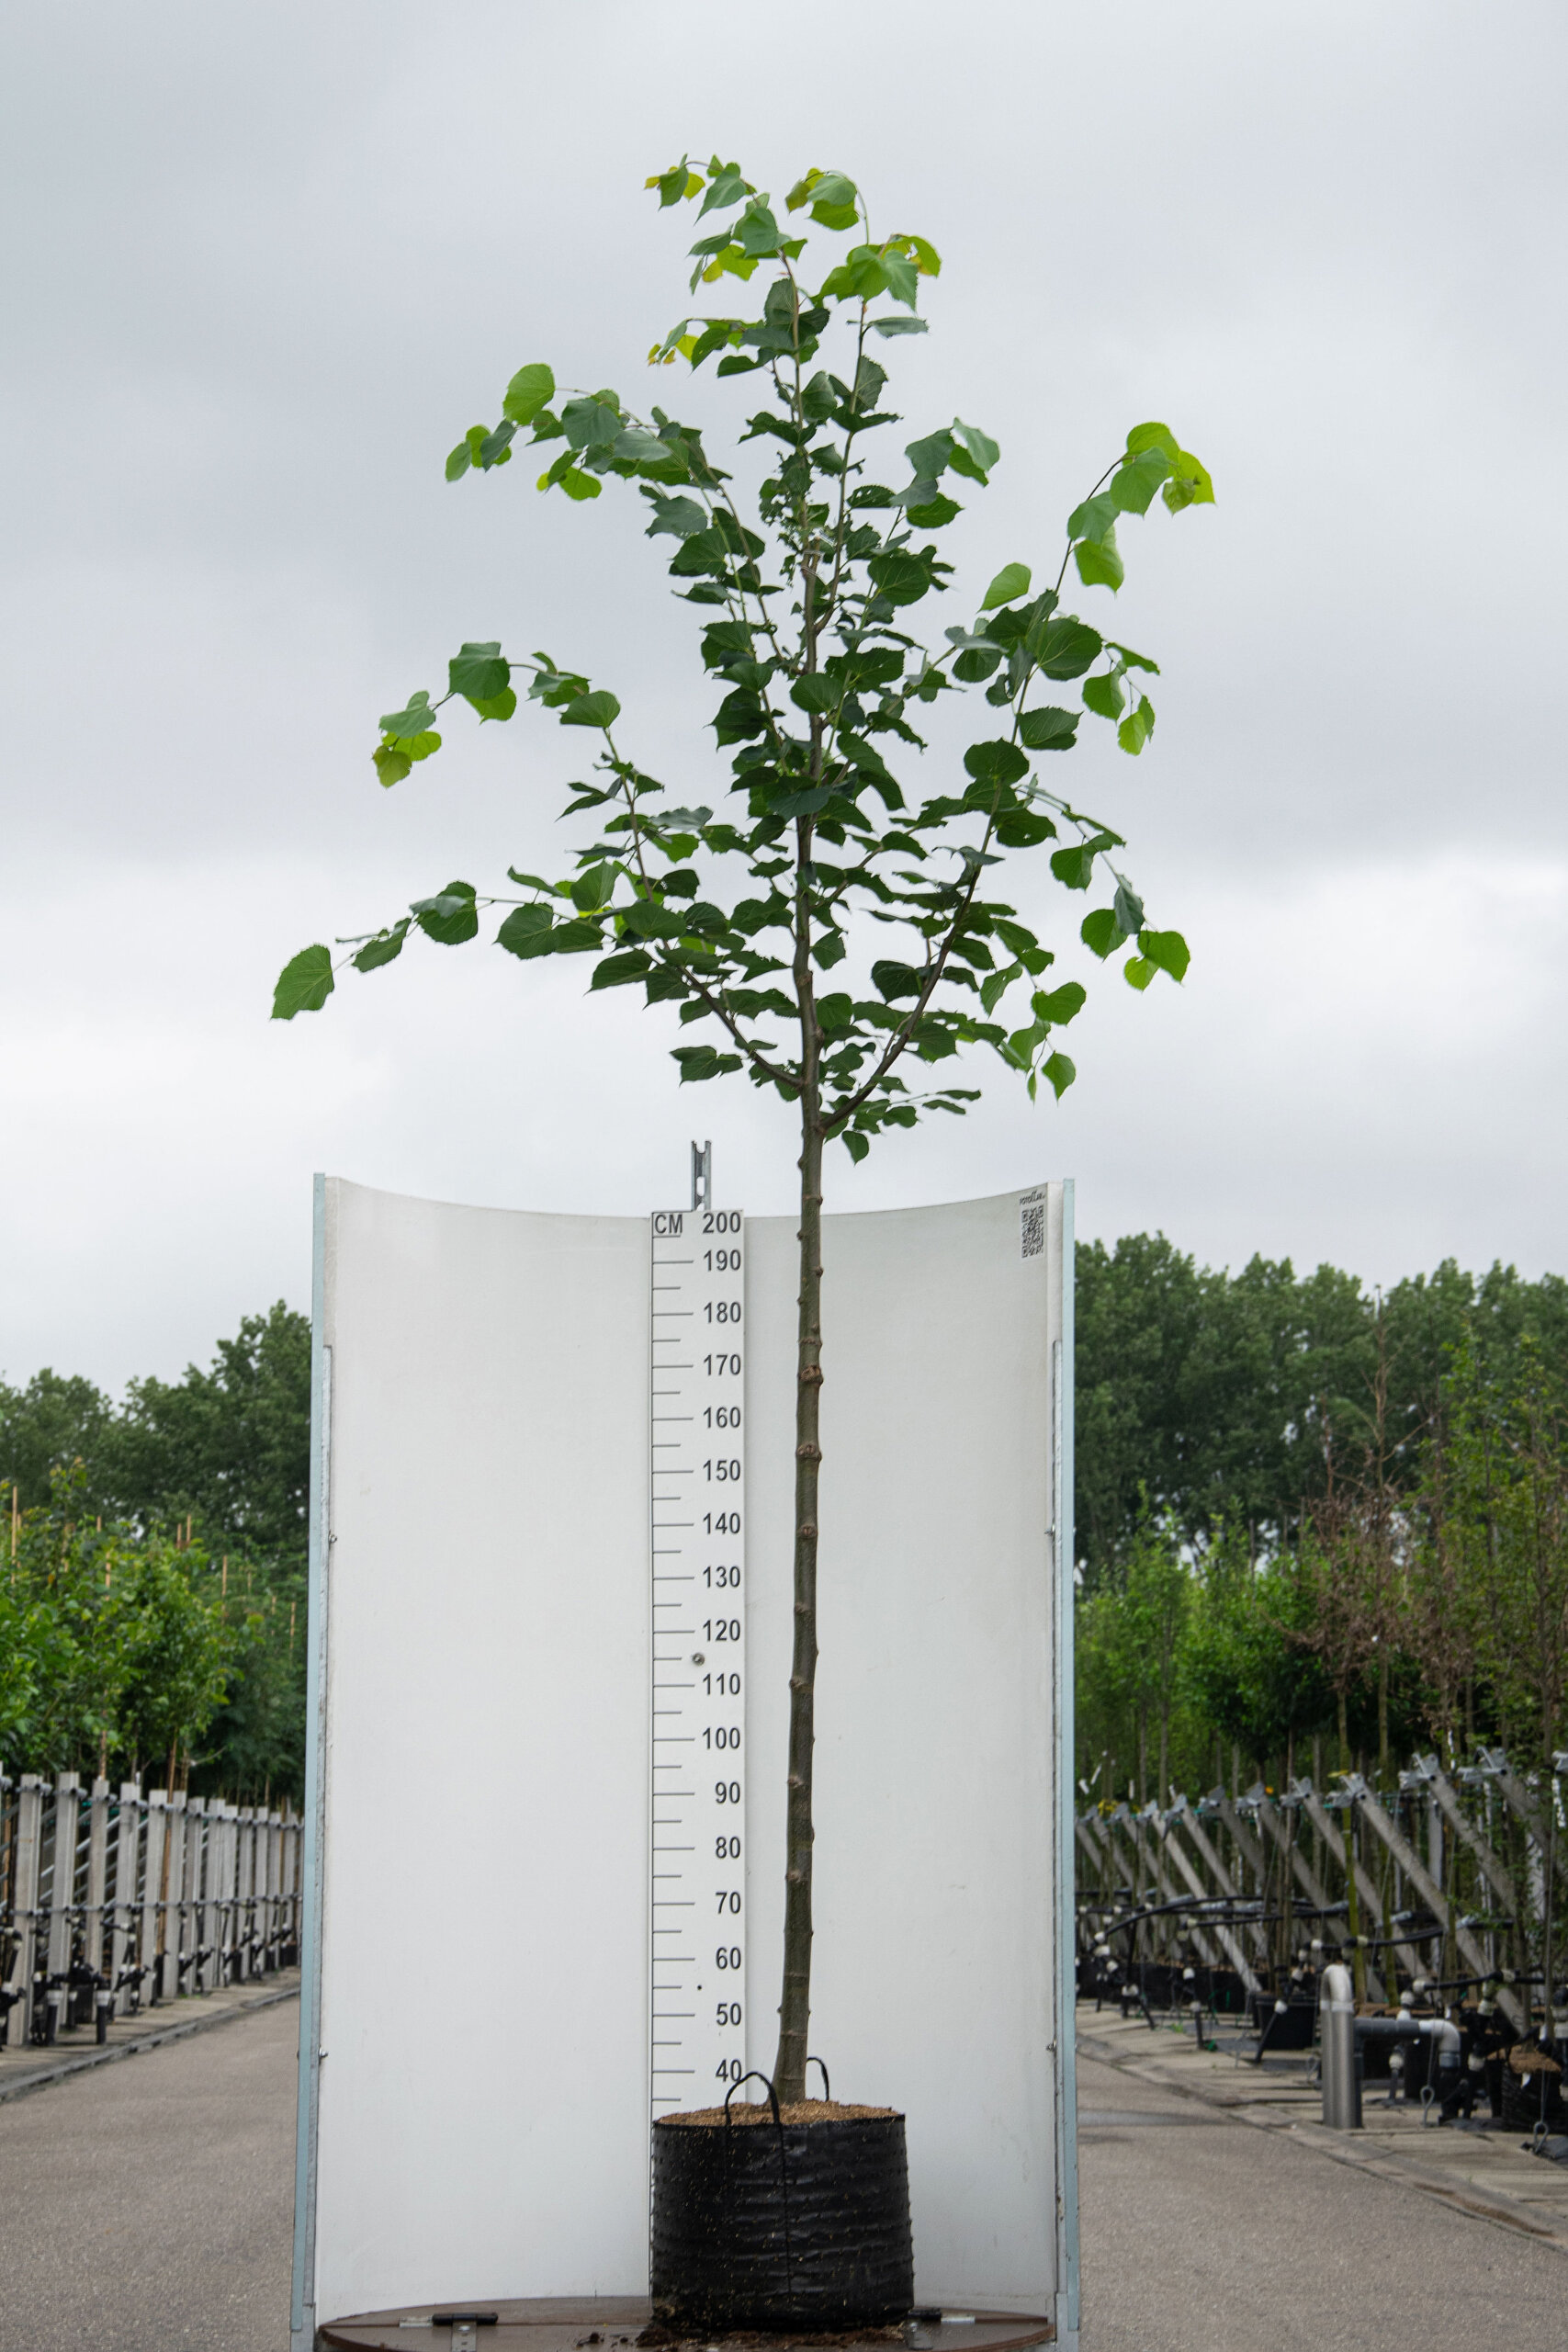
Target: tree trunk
[(794, 2008)]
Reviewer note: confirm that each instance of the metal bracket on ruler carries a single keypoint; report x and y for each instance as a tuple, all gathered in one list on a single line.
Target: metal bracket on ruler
[(702, 1176)]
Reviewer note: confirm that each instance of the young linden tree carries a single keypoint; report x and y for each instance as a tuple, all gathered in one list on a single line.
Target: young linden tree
[(750, 918)]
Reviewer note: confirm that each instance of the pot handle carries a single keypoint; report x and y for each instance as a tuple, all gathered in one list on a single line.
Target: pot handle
[(756, 2075), (827, 2091)]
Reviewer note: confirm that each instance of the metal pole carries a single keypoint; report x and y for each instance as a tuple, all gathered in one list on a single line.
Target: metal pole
[(1337, 2029)]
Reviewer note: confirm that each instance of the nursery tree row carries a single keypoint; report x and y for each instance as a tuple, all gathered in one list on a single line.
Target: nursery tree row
[(1211, 1409), (1414, 1595), (153, 1570)]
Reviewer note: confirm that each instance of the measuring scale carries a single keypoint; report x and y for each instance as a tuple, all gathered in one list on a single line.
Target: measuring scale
[(697, 1519)]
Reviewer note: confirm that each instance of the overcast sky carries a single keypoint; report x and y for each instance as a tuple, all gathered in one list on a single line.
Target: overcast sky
[(263, 265)]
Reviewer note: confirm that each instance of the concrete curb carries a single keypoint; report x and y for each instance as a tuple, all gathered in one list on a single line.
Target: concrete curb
[(1480, 2205), (81, 2061)]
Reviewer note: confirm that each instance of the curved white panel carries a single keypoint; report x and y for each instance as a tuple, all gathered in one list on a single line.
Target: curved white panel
[(480, 2120)]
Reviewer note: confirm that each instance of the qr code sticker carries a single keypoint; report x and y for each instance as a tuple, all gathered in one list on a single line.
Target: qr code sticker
[(1031, 1224)]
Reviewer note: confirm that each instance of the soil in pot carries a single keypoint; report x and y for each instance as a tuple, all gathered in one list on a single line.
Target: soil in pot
[(793, 2217)]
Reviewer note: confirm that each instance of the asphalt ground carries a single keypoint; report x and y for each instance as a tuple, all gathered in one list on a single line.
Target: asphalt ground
[(145, 2207), (1201, 2233)]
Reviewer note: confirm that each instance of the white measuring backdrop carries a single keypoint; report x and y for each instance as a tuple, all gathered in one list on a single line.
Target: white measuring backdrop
[(550, 1629)]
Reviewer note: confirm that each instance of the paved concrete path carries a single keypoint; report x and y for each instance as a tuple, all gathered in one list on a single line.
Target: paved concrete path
[(146, 2206), (1201, 2233)]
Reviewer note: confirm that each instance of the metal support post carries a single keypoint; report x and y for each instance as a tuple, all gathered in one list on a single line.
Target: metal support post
[(154, 1909), (24, 1911), (62, 1895), (126, 1847), (1337, 2033), (95, 1925)]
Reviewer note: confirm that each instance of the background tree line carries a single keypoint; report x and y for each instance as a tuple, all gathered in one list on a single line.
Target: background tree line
[(1294, 1501), (153, 1569), (1317, 1529)]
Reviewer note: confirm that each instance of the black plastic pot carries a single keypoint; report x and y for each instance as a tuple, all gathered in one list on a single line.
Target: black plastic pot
[(767, 2224)]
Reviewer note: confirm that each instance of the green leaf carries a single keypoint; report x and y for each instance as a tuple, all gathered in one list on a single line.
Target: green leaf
[(698, 1062), (1133, 487), (532, 389), (384, 948), (1152, 436), (304, 983), (727, 189), (590, 423), (1128, 910), (674, 184), (680, 517), (933, 514), (1010, 583), (575, 938), (526, 931), (501, 705), (1167, 951), (1061, 1073), (593, 888), (1137, 971), (1099, 563), (646, 919), (1074, 867), (977, 661), (1068, 647), (898, 326), (893, 980), (616, 971), (391, 764), (1101, 933), (817, 693), (1093, 520), (869, 380), (1055, 1006), (1189, 484), (1024, 829), (977, 446), (1132, 660), (903, 579), (637, 446), (855, 1144), (600, 709), (996, 762), (459, 461), (412, 719), (1137, 727), (478, 672), (449, 918), (757, 231), (578, 485), (1104, 695), (1049, 728), (931, 458)]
